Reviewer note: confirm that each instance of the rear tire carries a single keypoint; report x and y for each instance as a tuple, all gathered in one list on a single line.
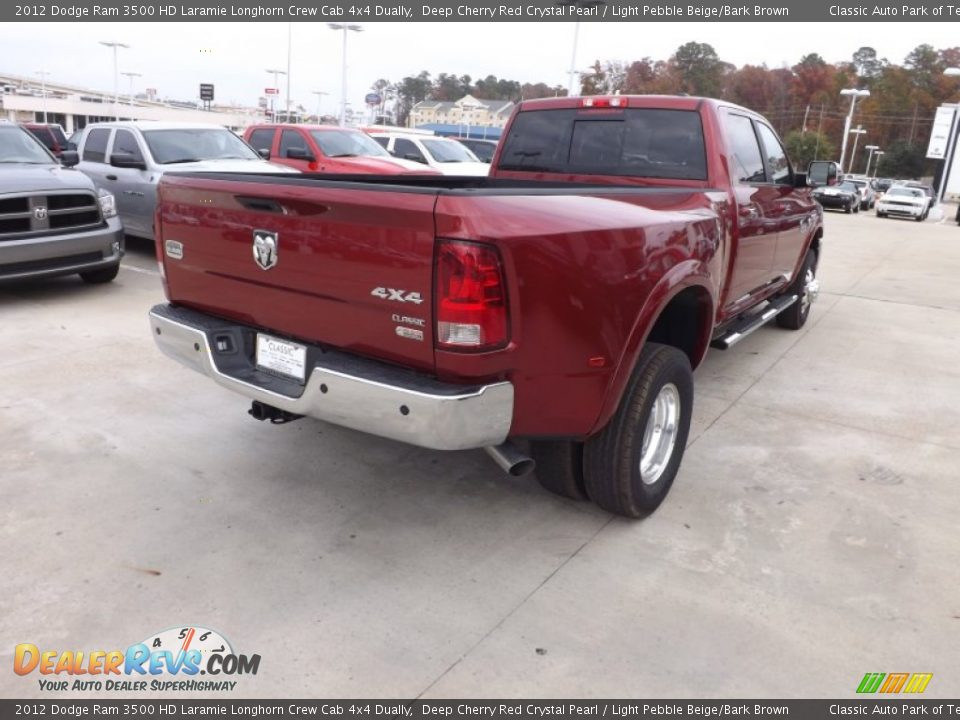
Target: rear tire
[(98, 277), (560, 467), (630, 465), (795, 316)]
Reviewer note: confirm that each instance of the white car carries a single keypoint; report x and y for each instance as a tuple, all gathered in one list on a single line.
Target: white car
[(129, 158), (904, 202), (442, 154)]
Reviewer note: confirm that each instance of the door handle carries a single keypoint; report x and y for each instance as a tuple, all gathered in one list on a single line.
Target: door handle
[(111, 177)]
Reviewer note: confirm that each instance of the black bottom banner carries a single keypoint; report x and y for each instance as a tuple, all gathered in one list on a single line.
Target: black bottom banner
[(587, 709)]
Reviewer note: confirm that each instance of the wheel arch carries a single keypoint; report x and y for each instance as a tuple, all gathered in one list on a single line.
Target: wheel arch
[(678, 312)]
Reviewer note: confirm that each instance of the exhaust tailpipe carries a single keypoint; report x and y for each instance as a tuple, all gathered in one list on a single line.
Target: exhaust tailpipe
[(276, 416), (511, 459)]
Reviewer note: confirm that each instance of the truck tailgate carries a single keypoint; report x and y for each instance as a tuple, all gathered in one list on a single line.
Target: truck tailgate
[(353, 267)]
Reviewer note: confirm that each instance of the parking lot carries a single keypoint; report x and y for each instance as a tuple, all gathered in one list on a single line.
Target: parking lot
[(811, 535)]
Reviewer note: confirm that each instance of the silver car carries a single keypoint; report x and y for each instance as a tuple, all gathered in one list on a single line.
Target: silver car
[(128, 159)]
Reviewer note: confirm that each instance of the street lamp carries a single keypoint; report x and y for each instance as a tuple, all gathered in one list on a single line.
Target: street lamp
[(877, 164), (871, 148), (572, 72), (858, 131), (43, 90), (116, 92), (131, 76), (854, 94), (343, 67), (275, 89), (319, 94)]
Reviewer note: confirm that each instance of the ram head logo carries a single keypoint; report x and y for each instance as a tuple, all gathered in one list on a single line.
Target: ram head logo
[(265, 248), (40, 212)]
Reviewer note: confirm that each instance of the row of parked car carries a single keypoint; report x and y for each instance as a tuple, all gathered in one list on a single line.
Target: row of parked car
[(68, 222), (890, 198)]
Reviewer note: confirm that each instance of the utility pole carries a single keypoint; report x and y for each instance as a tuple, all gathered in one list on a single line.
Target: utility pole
[(816, 153), (805, 113)]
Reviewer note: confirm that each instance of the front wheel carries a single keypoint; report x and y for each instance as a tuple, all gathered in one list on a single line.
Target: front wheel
[(104, 275), (806, 287), (848, 209), (630, 465)]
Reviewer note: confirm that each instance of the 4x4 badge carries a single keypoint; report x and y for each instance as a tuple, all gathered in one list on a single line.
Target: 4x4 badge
[(265, 248)]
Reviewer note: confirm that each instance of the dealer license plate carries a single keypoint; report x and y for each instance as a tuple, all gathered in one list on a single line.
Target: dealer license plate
[(284, 357)]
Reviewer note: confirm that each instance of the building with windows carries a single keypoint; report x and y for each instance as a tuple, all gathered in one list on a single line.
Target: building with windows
[(24, 99), (466, 117)]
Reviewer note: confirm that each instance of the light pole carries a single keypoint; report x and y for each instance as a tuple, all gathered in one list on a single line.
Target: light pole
[(116, 92), (573, 61), (877, 164), (858, 131), (319, 94), (871, 148), (43, 90), (289, 50), (854, 94), (343, 66), (273, 102), (131, 76)]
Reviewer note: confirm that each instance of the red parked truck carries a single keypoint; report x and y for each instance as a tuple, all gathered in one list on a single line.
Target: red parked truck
[(327, 149), (563, 301)]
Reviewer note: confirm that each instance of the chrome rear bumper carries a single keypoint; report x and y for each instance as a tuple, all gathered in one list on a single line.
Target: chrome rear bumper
[(342, 389)]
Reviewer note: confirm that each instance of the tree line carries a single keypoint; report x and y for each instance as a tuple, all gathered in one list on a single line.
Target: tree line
[(802, 101)]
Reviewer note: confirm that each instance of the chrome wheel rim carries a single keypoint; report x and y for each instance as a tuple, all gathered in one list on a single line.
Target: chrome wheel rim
[(811, 288), (660, 434)]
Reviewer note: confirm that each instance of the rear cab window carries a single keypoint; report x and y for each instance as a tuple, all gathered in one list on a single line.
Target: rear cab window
[(262, 139), (95, 148), (632, 142)]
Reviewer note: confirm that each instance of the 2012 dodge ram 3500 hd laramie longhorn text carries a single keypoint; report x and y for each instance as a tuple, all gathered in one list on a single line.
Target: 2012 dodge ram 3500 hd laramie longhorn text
[(564, 300)]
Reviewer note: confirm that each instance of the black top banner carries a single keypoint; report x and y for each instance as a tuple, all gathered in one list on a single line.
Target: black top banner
[(480, 10)]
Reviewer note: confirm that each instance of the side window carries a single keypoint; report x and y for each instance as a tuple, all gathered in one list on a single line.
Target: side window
[(125, 142), (95, 148), (292, 140), (746, 160), (382, 141), (44, 136), (407, 150), (262, 139), (777, 162)]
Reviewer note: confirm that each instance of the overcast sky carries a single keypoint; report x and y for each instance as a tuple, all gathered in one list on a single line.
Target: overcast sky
[(175, 57)]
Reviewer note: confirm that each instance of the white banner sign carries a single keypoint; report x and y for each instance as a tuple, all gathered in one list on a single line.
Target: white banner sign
[(940, 135)]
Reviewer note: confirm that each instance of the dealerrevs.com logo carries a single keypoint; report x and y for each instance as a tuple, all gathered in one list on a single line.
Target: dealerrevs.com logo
[(172, 660)]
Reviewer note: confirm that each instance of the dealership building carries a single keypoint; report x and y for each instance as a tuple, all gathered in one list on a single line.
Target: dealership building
[(24, 99)]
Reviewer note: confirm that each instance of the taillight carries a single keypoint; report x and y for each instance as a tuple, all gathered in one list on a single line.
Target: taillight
[(471, 296), (604, 102)]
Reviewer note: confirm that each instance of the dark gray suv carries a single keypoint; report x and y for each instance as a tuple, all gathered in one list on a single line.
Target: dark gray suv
[(53, 220)]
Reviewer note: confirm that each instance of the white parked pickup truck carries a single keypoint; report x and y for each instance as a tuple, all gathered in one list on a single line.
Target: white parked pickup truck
[(129, 158)]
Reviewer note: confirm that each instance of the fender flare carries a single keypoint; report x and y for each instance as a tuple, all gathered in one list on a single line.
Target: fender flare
[(684, 275)]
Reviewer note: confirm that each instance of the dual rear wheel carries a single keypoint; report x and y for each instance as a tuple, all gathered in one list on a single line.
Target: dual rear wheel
[(628, 468)]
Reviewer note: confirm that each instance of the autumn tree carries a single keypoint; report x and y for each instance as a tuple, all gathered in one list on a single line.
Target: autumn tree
[(699, 69)]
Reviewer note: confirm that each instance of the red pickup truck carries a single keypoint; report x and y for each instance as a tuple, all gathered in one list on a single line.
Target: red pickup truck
[(563, 301)]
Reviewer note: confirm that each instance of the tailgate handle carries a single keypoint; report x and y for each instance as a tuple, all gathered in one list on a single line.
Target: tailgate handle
[(261, 204)]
